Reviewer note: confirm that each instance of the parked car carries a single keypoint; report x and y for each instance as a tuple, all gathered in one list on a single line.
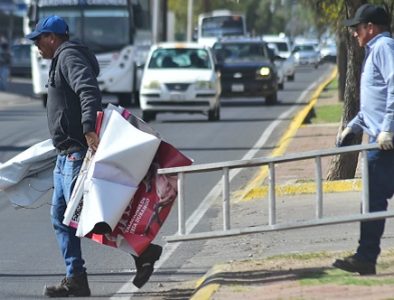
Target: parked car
[(306, 54), (20, 60), (283, 44), (247, 68), (180, 77)]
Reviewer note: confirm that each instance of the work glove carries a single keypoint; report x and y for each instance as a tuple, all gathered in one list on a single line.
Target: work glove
[(385, 140), (345, 137)]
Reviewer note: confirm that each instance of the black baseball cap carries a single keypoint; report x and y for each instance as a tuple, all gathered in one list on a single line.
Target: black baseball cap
[(368, 13)]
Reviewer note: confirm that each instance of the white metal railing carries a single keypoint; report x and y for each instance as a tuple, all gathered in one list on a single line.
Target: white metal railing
[(272, 224)]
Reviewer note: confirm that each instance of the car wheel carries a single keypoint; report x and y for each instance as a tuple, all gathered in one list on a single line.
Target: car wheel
[(148, 116), (290, 77), (281, 85), (271, 99), (214, 114), (136, 99), (44, 98)]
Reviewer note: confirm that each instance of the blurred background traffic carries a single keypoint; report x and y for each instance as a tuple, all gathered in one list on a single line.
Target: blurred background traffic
[(176, 56)]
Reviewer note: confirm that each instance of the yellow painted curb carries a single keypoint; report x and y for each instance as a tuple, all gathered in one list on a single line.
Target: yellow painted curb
[(352, 185), (205, 290), (252, 189)]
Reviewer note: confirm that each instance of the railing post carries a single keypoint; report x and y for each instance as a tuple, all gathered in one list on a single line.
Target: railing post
[(272, 200), (365, 181), (226, 199), (181, 204), (319, 188)]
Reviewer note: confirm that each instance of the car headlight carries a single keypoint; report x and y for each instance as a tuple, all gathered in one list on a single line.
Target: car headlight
[(153, 84), (263, 72), (206, 85)]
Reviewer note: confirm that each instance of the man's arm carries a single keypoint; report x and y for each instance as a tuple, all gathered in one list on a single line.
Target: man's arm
[(385, 60), (82, 80)]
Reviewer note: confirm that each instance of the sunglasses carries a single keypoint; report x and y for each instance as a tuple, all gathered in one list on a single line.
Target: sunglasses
[(38, 39)]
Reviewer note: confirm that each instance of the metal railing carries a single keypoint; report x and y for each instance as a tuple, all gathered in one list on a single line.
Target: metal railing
[(225, 167)]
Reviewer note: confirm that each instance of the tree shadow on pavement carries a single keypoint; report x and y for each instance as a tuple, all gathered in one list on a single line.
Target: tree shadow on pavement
[(252, 277)]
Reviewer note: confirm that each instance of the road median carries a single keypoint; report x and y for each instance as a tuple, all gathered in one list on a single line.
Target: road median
[(296, 276)]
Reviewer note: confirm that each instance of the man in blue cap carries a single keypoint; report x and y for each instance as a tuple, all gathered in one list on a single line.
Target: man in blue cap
[(370, 26), (74, 98)]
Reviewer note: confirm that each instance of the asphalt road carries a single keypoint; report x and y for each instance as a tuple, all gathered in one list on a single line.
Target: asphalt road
[(29, 257)]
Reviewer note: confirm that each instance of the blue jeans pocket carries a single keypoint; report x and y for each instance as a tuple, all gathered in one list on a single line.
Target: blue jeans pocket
[(76, 156), (71, 170)]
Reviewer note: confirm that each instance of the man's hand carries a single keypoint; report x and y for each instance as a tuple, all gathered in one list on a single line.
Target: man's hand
[(92, 139), (345, 138), (385, 140)]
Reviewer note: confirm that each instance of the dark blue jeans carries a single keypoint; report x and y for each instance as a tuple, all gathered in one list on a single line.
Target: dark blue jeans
[(381, 188), (64, 177)]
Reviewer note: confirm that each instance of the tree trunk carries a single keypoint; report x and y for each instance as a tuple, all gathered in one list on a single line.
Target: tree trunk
[(344, 166)]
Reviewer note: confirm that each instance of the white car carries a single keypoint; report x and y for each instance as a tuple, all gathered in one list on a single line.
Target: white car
[(280, 66), (328, 52), (282, 42), (178, 78)]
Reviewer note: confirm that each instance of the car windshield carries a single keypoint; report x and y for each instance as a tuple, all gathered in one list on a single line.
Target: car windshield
[(240, 51), (304, 48), (180, 58), (222, 26), (95, 26), (282, 46)]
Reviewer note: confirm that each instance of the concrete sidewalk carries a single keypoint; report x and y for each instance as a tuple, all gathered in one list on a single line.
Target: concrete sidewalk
[(304, 271)]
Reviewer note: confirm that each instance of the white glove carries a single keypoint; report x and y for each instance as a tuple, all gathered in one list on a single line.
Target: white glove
[(385, 140), (345, 137)]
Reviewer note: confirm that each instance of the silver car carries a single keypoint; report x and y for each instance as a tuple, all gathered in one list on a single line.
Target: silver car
[(306, 54)]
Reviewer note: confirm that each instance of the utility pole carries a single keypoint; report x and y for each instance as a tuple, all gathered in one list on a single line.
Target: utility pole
[(164, 21), (155, 21), (189, 20)]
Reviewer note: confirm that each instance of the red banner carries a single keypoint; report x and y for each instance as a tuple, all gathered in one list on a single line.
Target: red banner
[(151, 204)]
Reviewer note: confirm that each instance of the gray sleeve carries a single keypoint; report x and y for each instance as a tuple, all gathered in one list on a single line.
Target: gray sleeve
[(79, 74)]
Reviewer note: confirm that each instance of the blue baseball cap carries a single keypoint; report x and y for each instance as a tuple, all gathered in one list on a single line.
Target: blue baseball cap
[(50, 24)]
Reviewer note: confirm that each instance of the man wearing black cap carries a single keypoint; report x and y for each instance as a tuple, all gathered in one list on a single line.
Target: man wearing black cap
[(74, 99), (370, 26)]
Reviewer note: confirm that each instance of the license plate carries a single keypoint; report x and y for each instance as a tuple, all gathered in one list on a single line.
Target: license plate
[(176, 97), (237, 88)]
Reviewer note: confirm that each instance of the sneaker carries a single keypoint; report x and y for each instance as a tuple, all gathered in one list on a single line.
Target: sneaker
[(76, 286), (145, 264), (355, 265)]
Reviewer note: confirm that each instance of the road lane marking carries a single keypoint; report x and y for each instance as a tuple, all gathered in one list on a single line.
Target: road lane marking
[(252, 189)]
